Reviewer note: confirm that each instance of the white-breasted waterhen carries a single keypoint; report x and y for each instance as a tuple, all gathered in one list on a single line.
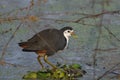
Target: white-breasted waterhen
[(47, 43)]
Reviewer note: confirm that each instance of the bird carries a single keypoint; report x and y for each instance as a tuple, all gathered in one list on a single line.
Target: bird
[(48, 42)]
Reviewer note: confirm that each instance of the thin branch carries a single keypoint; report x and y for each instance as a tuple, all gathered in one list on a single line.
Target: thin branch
[(2, 62), (74, 21), (108, 71), (93, 3), (31, 4), (10, 39), (99, 14), (110, 49), (98, 40), (64, 13), (6, 31), (111, 33)]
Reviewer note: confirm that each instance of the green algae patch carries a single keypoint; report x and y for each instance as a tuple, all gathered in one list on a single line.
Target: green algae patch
[(63, 72)]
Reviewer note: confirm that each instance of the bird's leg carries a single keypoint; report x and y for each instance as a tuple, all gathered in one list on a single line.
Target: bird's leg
[(46, 60), (38, 58)]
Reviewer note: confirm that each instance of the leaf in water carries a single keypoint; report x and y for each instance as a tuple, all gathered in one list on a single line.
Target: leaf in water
[(75, 66), (43, 75), (59, 74), (30, 75)]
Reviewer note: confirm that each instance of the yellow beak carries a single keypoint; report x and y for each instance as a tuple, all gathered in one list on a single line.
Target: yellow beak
[(74, 35)]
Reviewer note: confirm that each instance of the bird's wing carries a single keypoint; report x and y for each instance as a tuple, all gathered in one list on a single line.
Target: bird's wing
[(46, 39)]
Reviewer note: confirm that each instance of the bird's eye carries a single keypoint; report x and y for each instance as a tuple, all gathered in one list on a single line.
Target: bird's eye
[(68, 31)]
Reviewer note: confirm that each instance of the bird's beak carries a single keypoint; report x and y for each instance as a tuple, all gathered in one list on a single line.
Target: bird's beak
[(74, 35)]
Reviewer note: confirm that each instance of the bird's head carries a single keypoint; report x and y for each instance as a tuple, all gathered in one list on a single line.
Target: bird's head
[(68, 31)]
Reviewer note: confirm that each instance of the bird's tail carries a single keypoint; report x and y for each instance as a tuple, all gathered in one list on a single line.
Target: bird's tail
[(23, 44)]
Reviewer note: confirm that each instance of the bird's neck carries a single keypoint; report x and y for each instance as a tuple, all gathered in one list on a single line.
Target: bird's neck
[(67, 40)]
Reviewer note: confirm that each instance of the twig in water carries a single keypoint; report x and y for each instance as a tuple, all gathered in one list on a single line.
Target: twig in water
[(6, 45), (108, 71)]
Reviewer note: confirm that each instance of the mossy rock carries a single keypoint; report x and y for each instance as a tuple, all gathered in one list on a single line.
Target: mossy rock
[(65, 72)]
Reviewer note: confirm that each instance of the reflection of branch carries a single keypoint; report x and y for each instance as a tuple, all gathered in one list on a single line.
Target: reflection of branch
[(9, 19), (93, 3), (111, 33), (6, 31), (2, 62), (65, 13), (110, 49), (73, 21), (99, 14), (31, 4), (108, 71), (98, 40), (6, 45)]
